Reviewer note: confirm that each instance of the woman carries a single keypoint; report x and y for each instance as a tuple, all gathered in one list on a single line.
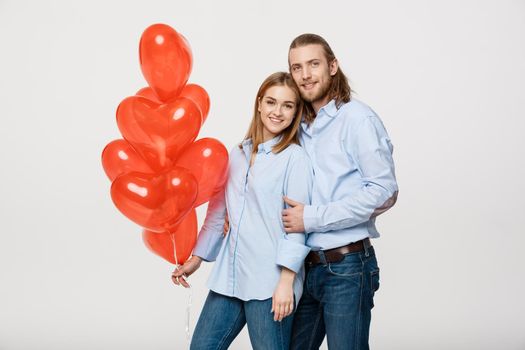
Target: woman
[(259, 268)]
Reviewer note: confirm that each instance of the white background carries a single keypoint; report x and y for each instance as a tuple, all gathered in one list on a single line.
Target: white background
[(445, 76)]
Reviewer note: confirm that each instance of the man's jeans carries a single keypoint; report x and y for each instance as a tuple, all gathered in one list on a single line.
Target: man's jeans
[(223, 317), (337, 301)]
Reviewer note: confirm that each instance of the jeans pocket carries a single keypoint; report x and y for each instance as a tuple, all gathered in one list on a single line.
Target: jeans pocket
[(350, 266), (374, 281)]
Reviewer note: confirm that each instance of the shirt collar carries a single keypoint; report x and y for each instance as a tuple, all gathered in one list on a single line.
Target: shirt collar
[(330, 109), (267, 146)]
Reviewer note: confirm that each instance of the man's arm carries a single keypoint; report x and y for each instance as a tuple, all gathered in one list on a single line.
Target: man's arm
[(370, 147)]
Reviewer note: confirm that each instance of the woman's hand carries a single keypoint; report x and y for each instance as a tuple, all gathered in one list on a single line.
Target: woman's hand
[(283, 297), (226, 226), (182, 272)]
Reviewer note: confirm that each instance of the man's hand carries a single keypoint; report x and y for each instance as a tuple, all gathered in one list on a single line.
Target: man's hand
[(293, 216), (182, 272)]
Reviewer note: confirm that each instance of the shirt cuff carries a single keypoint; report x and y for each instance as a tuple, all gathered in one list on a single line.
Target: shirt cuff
[(310, 218), (207, 250), (291, 254)]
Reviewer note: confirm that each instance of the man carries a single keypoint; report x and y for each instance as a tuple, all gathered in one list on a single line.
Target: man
[(354, 182)]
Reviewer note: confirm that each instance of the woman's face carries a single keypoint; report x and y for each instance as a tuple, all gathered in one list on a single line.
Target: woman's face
[(277, 108)]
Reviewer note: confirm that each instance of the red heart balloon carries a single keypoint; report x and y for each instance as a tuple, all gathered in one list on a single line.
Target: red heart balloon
[(148, 93), (118, 157), (182, 240), (197, 94), (194, 92), (207, 159), (157, 202), (165, 60), (158, 131)]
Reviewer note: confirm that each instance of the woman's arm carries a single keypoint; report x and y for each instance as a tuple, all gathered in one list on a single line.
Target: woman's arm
[(208, 242), (298, 183), (283, 297), (291, 249), (211, 236)]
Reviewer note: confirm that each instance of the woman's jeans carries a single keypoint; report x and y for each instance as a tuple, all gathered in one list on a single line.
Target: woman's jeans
[(222, 318), (337, 301)]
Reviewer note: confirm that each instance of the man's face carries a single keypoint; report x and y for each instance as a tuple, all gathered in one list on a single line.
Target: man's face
[(312, 72)]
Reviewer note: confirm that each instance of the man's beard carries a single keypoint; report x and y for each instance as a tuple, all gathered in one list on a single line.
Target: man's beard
[(321, 93)]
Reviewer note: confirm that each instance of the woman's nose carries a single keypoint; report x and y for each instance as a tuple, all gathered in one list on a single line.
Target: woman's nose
[(277, 110)]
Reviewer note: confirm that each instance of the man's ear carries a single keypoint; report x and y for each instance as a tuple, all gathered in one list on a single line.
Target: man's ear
[(334, 67)]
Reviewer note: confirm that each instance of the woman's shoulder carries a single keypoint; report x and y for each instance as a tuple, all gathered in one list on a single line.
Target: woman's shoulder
[(294, 148), (296, 151), (237, 148)]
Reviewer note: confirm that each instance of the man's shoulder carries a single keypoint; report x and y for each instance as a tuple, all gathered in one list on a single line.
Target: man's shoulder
[(356, 111), (357, 114)]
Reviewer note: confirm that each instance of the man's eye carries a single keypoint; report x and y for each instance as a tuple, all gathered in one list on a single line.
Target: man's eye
[(315, 64), (296, 68)]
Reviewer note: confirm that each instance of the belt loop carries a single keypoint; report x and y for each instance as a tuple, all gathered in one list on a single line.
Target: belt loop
[(366, 245), (322, 257)]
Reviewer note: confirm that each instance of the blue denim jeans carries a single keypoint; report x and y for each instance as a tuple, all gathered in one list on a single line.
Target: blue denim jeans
[(222, 318), (337, 302)]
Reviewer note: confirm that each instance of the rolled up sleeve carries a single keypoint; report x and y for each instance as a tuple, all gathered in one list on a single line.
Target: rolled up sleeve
[(292, 249)]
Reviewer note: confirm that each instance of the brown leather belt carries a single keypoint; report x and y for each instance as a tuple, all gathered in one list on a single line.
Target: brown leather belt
[(336, 254)]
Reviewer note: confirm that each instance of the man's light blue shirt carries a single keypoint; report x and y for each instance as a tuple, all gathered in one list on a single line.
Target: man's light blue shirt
[(249, 258), (351, 155)]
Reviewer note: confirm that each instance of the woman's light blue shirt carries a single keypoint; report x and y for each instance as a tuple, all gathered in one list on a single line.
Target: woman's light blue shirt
[(248, 259)]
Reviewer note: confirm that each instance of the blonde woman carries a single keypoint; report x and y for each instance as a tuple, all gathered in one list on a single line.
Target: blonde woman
[(258, 274)]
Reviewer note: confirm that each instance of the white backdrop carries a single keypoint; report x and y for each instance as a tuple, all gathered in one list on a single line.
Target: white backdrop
[(445, 76)]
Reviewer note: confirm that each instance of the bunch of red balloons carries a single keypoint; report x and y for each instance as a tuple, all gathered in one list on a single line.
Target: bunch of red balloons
[(159, 173)]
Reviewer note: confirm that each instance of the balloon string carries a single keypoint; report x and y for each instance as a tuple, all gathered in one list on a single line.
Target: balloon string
[(172, 235), (188, 307)]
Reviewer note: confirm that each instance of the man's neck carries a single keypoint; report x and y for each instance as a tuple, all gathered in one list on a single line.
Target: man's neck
[(318, 104)]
